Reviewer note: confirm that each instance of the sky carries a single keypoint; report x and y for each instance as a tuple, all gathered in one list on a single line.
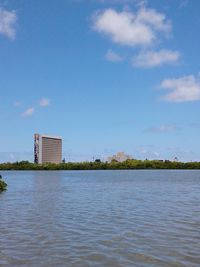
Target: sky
[(105, 75)]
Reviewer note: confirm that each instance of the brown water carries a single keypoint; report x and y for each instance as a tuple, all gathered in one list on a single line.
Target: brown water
[(100, 218)]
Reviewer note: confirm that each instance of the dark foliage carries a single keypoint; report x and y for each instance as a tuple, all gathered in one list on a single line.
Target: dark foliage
[(3, 185), (98, 165)]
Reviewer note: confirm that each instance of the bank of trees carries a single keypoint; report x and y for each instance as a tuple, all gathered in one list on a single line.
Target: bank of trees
[(98, 165)]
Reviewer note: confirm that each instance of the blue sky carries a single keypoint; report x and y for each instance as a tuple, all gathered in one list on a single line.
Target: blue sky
[(107, 76)]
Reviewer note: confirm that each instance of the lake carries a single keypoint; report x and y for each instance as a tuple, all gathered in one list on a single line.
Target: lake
[(141, 218)]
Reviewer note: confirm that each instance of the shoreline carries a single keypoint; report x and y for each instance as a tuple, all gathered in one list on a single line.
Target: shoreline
[(90, 170), (114, 165)]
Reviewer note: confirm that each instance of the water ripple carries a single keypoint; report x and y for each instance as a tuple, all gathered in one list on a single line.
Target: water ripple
[(100, 218)]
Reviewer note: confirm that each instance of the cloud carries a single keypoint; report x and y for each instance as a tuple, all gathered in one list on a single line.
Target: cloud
[(44, 102), (149, 59), (131, 29), (162, 129), (113, 57), (7, 23), (29, 112), (184, 89)]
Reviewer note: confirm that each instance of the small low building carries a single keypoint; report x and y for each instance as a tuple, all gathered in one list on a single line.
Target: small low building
[(120, 157)]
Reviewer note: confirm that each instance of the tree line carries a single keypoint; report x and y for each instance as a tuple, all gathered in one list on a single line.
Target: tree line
[(98, 165)]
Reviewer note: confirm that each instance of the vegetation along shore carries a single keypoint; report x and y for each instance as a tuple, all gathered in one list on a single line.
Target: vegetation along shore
[(98, 165), (3, 185)]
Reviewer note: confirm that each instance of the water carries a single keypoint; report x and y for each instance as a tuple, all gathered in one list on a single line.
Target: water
[(100, 218)]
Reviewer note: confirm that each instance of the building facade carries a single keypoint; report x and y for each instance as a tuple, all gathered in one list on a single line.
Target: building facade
[(120, 157), (47, 149)]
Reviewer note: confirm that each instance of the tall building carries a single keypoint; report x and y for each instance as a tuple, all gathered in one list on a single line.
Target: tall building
[(47, 149)]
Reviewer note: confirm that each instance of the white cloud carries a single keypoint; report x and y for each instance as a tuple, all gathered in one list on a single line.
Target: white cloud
[(113, 57), (29, 112), (128, 28), (150, 59), (44, 102), (183, 89), (7, 23), (162, 129)]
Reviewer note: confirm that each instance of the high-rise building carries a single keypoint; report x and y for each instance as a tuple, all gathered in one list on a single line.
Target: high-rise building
[(47, 149)]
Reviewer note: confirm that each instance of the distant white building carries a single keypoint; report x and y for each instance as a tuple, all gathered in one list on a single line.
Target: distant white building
[(120, 157)]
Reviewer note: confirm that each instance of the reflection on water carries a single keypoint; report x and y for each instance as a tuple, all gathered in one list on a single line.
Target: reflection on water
[(100, 218)]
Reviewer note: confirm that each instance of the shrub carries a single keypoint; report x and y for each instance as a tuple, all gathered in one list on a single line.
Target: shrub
[(3, 185)]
